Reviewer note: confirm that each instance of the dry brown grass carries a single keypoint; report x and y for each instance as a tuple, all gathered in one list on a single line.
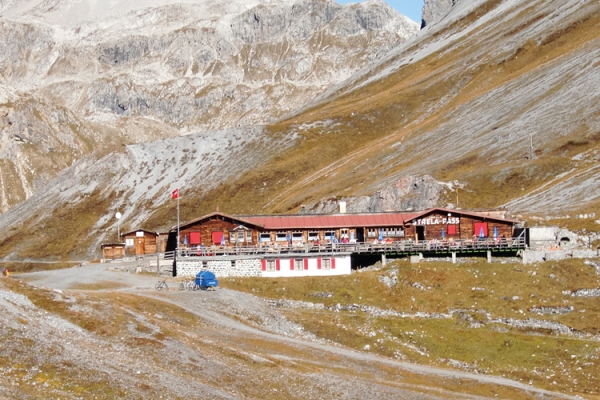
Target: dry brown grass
[(368, 121), (535, 355), (20, 267)]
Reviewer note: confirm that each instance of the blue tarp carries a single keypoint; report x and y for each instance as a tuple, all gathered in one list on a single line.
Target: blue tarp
[(206, 279)]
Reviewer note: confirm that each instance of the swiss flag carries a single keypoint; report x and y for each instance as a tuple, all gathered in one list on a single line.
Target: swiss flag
[(175, 194)]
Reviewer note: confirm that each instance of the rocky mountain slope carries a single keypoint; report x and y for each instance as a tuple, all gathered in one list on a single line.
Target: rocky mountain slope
[(156, 69), (495, 98)]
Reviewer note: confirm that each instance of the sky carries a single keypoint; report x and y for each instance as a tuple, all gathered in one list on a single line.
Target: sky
[(411, 8)]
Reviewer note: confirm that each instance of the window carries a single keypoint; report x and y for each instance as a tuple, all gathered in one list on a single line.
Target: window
[(329, 235), (271, 265), (240, 236), (326, 263), (344, 233), (372, 232), (232, 237), (129, 242), (298, 264), (281, 236), (297, 236), (265, 237), (393, 232), (313, 235)]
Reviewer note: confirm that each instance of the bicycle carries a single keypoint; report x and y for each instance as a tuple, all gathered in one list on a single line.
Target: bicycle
[(162, 284), (187, 284)]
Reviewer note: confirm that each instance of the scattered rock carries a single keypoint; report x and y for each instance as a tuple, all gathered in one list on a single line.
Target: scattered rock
[(551, 310), (586, 293)]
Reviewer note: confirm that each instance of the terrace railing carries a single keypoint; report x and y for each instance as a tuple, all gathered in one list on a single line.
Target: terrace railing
[(399, 247)]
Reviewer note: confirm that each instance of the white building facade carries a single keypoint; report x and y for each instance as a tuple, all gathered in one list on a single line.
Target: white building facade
[(288, 266)]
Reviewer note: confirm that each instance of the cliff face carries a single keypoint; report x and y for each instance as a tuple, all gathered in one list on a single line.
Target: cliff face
[(86, 73), (435, 9)]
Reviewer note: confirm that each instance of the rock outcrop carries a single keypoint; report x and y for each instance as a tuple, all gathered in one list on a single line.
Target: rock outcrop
[(435, 9), (409, 193)]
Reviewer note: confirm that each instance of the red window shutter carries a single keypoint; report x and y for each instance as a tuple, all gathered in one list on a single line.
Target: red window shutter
[(216, 237), (264, 264), (278, 265), (318, 263), (306, 263), (479, 228), (451, 229), (195, 238), (333, 263)]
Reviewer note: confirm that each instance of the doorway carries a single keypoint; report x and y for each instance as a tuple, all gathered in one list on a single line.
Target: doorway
[(360, 235), (420, 233), (139, 246)]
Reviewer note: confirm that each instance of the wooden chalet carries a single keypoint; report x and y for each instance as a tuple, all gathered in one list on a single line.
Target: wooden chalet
[(440, 223), (140, 242), (223, 230)]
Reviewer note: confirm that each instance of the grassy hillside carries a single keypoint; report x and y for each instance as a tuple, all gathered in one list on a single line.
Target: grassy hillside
[(356, 141), (479, 293)]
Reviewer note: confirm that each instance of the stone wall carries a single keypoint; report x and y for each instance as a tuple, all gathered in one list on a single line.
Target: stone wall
[(221, 268), (531, 256)]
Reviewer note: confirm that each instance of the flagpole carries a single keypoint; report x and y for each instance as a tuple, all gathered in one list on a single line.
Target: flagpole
[(175, 194)]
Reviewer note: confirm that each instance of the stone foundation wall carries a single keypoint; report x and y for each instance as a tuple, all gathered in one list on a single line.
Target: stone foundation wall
[(221, 268), (531, 256)]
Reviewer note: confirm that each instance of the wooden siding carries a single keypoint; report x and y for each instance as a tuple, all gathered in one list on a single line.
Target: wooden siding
[(215, 224), (148, 243), (432, 223), (113, 252), (465, 229)]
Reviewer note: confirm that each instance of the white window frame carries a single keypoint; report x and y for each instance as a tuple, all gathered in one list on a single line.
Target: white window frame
[(298, 264), (313, 235), (265, 237), (329, 235), (326, 264), (271, 266), (129, 242), (297, 236), (281, 236), (240, 236)]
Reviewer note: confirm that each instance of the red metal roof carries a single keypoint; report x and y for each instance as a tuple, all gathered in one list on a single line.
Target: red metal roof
[(333, 221), (274, 222), (461, 212)]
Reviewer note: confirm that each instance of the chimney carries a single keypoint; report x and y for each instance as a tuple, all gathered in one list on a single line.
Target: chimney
[(342, 207)]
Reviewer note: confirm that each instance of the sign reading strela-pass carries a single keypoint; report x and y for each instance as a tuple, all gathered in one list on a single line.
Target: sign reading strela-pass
[(438, 221)]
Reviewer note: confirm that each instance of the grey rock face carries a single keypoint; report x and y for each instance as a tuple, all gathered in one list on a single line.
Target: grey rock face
[(193, 66), (271, 23), (435, 9), (409, 193)]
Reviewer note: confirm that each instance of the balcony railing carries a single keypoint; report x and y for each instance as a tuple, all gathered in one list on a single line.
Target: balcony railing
[(406, 247)]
